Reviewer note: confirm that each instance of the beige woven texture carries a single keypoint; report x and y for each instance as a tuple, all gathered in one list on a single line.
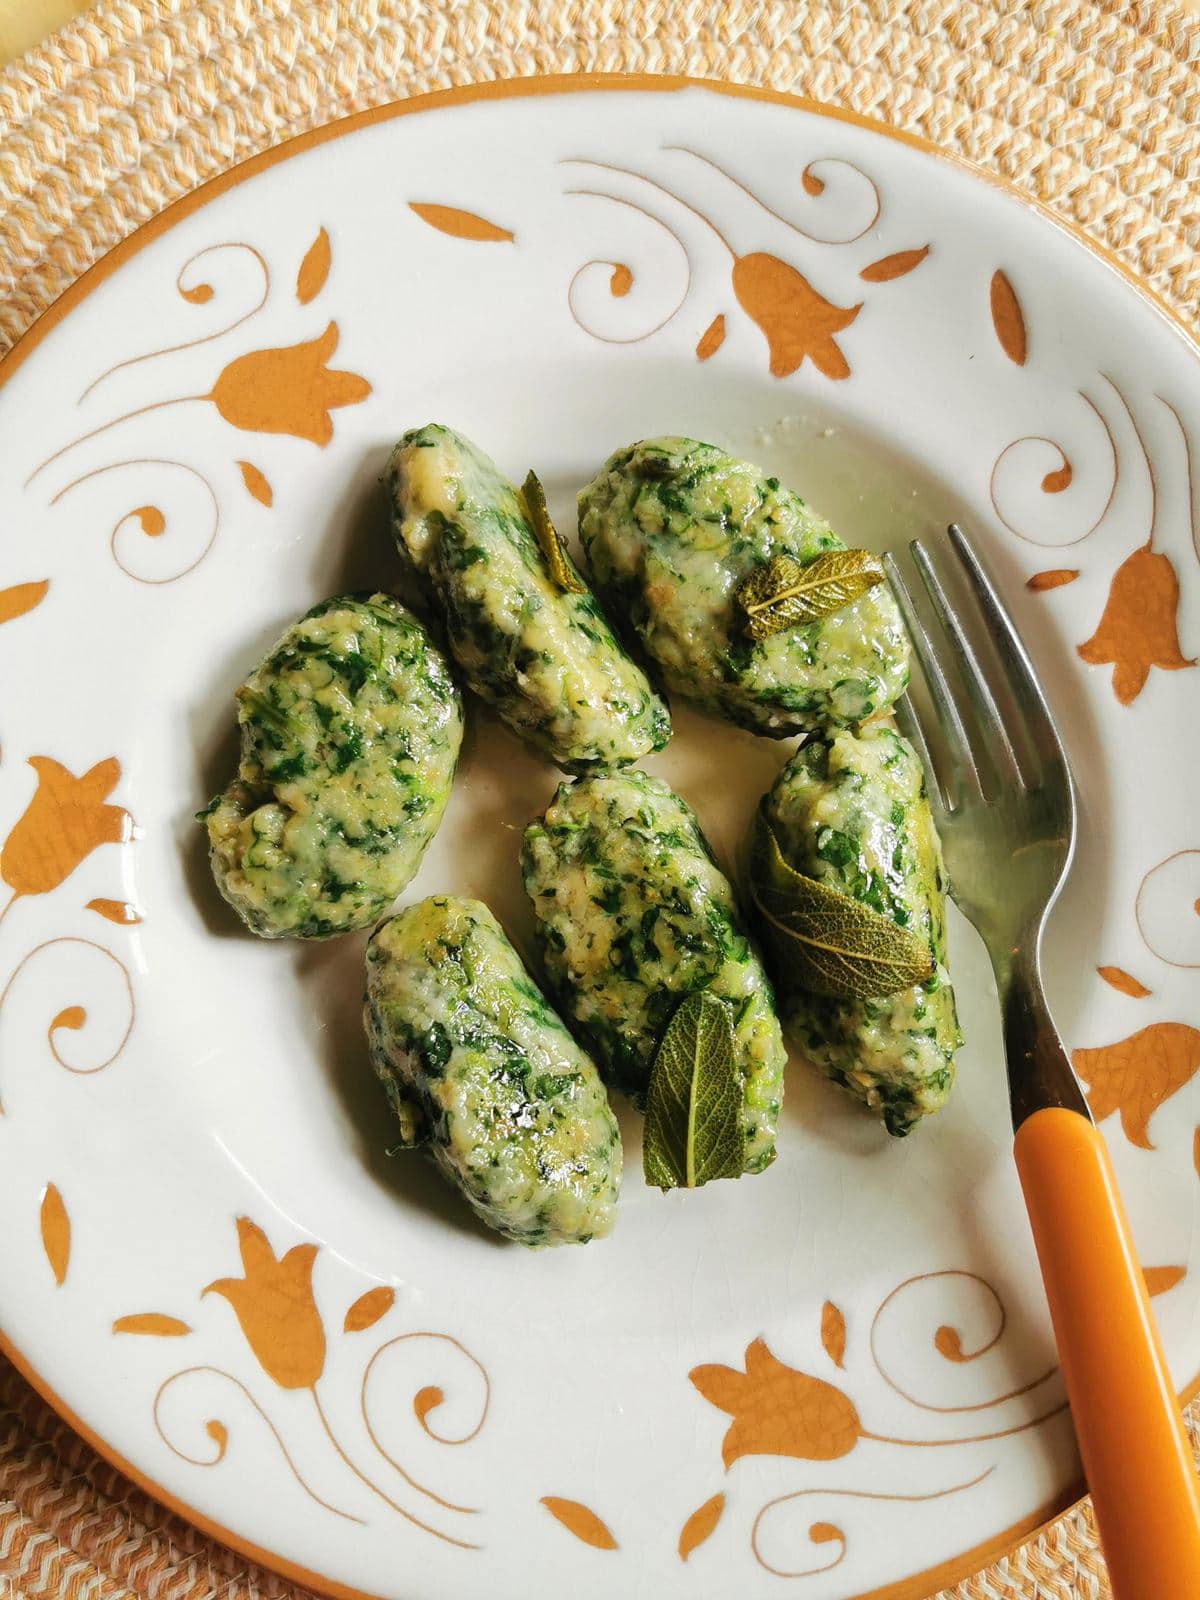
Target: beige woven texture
[(1093, 109)]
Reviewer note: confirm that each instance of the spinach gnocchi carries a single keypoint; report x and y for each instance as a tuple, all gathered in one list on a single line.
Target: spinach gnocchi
[(478, 1067), (850, 810), (545, 658), (632, 915), (672, 528), (350, 730)]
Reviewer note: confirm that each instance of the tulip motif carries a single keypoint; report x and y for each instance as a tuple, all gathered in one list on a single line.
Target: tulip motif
[(1138, 629), (797, 320), (778, 1411), (64, 822), (289, 390), (1135, 1075), (275, 1308)]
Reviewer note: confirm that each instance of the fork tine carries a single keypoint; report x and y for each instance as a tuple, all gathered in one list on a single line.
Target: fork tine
[(988, 715), (909, 723), (1027, 691), (963, 774)]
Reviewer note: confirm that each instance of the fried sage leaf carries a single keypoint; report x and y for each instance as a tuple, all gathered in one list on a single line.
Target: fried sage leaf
[(555, 551), (787, 592), (826, 941), (694, 1103)]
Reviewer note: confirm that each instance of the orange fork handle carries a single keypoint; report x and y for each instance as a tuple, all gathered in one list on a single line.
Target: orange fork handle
[(1131, 1439)]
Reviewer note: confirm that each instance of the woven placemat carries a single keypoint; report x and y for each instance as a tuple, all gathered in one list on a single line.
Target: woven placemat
[(1091, 108)]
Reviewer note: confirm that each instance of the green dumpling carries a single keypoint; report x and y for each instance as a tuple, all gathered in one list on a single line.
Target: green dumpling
[(850, 810), (478, 1067), (351, 729), (671, 529), (633, 914), (545, 657)]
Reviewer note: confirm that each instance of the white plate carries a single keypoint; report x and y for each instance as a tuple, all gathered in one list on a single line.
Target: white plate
[(163, 1074)]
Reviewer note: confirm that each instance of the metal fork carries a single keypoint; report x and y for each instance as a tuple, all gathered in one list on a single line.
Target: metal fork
[(1004, 803)]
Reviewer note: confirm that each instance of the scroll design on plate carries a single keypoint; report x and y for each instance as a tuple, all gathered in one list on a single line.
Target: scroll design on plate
[(1138, 629), (74, 1017), (290, 389), (67, 818), (275, 1304), (948, 1340), (1178, 875), (779, 1410), (798, 321), (200, 293), (1055, 480), (829, 1532), (151, 522), (813, 184), (618, 288), (218, 1433)]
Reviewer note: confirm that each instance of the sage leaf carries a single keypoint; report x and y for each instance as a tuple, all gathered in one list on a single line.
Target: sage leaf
[(693, 1130), (785, 592), (825, 941), (558, 561)]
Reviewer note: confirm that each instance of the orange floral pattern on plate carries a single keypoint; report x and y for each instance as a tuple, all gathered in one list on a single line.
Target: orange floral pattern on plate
[(460, 224), (700, 1525), (621, 281), (898, 265), (288, 390), (275, 1308), (1138, 629), (1124, 982), (1160, 1280), (1052, 578), (55, 1225), (64, 822), (778, 1411), (314, 269), (256, 483), (580, 1520), (1135, 1075), (368, 1309), (833, 1333), (118, 911), (781, 1411), (278, 1315), (22, 597), (152, 1324), (1008, 319), (712, 338), (798, 321)]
